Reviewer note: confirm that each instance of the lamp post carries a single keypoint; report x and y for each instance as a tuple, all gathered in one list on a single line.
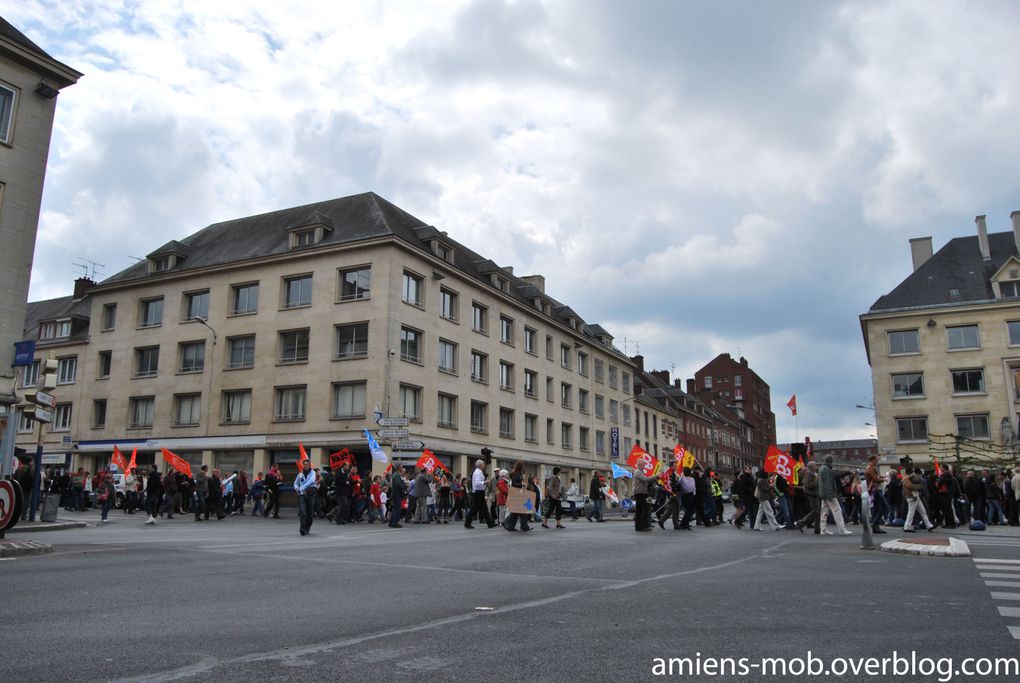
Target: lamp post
[(212, 359)]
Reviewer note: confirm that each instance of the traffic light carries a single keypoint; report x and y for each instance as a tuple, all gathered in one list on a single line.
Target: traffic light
[(487, 454)]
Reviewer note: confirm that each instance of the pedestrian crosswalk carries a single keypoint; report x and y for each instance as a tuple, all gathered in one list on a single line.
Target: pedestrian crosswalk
[(1003, 574)]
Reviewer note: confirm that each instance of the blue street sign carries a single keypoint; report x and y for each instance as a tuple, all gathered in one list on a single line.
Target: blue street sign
[(24, 352), (614, 441)]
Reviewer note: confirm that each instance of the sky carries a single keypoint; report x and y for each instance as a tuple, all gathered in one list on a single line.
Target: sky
[(697, 177)]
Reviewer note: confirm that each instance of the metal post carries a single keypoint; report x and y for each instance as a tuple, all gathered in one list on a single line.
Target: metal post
[(867, 542), (37, 479)]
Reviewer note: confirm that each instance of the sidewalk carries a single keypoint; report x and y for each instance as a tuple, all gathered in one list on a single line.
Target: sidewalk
[(25, 527)]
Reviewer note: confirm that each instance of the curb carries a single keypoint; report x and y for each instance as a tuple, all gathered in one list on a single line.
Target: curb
[(29, 527), (956, 548), (20, 548)]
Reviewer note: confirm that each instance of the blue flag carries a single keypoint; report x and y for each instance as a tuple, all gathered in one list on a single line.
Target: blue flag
[(619, 472), (373, 446)]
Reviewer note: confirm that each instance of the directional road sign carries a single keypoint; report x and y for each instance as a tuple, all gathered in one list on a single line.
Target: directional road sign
[(408, 445), (393, 422), (393, 433)]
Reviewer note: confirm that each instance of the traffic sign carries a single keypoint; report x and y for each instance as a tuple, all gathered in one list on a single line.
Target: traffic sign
[(40, 414), (41, 398), (393, 433), (408, 445), (11, 501), (393, 422)]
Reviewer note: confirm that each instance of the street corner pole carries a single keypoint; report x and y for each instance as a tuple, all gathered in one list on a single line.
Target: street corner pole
[(867, 541), (37, 478)]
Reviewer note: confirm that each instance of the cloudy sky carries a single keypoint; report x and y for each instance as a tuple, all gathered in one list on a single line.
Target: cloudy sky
[(698, 177)]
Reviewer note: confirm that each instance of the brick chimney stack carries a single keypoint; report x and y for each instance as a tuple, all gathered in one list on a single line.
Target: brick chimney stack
[(82, 285)]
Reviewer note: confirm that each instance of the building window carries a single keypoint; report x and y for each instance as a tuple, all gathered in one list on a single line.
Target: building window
[(187, 409), (479, 318), (708, 382), (356, 283), (447, 356), (31, 375), (196, 305), (410, 402), (738, 381), (971, 426), (410, 345), (614, 410), (530, 428), (548, 347), (294, 346), (105, 364), (564, 356), (302, 238), (550, 431), (600, 370), (506, 423), (1010, 289), (566, 395), (146, 361), (141, 410), (241, 352), (968, 381), (99, 413), (349, 400), (67, 370), (479, 417), (25, 422), (447, 304), (530, 340), (237, 407), (412, 289), (582, 400), (566, 435), (244, 299), (904, 342), (612, 376), (61, 418), (908, 385), (506, 330), (582, 363), (352, 341), (912, 429), (290, 403), (150, 312), (193, 356), (963, 337), (600, 406), (161, 263), (549, 395), (479, 367), (625, 382), (447, 411), (582, 438), (297, 291), (600, 442), (531, 384), (7, 99), (506, 375), (109, 316)]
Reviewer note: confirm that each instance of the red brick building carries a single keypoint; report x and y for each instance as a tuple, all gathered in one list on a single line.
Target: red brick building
[(734, 385)]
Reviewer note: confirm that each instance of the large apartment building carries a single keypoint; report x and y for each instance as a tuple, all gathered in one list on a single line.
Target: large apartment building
[(944, 350), (232, 345), (733, 386)]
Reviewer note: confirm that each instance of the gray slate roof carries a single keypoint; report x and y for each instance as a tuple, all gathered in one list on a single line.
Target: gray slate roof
[(54, 309), (956, 266), (59, 72)]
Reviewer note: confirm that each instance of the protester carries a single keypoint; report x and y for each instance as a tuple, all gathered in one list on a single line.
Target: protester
[(596, 496), (305, 485), (553, 491), (828, 493), (105, 494), (516, 479), (478, 506), (397, 491)]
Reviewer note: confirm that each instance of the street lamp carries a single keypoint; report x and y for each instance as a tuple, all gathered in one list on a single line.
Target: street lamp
[(212, 359), (871, 408)]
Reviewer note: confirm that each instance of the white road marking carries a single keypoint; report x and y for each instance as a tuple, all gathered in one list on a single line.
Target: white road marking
[(998, 575), (1004, 584), (1015, 632), (1012, 612), (1005, 596), (982, 560)]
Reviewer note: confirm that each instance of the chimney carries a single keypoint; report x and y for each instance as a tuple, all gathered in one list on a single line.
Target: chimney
[(536, 281), (639, 361), (663, 375), (983, 237), (679, 384), (1015, 217), (82, 285), (692, 387), (920, 251)]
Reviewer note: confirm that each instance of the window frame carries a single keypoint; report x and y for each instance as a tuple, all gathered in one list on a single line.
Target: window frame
[(356, 387), (281, 342), (190, 397), (108, 318), (356, 343), (506, 330), (949, 342), (7, 114), (479, 318), (241, 338), (143, 352), (450, 400), (67, 370), (506, 422), (236, 291), (409, 276), (403, 391), (968, 392), (281, 393), (360, 294), (889, 341), (189, 299), (923, 419), (479, 409), (288, 282), (134, 403), (907, 395), (450, 346), (419, 341), (182, 349), (449, 304), (479, 362), (245, 396), (973, 435), (144, 321)]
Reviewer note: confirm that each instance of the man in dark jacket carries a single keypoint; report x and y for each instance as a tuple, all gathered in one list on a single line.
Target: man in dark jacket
[(596, 496), (398, 489), (272, 492), (201, 493), (342, 486), (974, 489), (748, 503), (809, 482), (153, 493)]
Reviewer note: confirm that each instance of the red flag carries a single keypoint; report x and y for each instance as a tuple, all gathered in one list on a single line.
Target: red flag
[(639, 459), (684, 458), (938, 467), (336, 460), (430, 462), (177, 462), (134, 463), (792, 404), (773, 457), (304, 456), (389, 468), (664, 479), (119, 460)]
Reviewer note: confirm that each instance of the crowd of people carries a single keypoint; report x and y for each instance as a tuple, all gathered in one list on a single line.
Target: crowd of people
[(687, 497)]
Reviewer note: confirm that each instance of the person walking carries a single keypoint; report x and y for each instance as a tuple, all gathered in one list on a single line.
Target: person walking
[(912, 484), (273, 479), (214, 499), (763, 492), (201, 494), (398, 489), (553, 492), (596, 496), (809, 482), (828, 495), (169, 493), (879, 507), (642, 510), (478, 506), (258, 492), (516, 478), (105, 494), (153, 491), (305, 485)]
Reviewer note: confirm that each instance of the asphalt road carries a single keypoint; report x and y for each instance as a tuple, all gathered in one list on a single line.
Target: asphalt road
[(249, 598)]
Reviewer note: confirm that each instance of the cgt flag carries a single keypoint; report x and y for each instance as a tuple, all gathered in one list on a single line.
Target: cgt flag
[(640, 459), (792, 404), (373, 446), (337, 460), (134, 461), (430, 462), (303, 457), (683, 457), (177, 462), (119, 460)]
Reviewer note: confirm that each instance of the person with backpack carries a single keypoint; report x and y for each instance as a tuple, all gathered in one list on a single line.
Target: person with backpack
[(553, 493)]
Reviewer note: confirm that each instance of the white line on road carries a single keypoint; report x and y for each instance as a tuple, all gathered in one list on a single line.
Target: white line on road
[(1004, 584), (1009, 611), (998, 575), (1015, 632), (1005, 596), (982, 560)]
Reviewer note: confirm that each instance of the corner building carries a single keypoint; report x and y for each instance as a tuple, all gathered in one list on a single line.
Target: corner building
[(236, 343)]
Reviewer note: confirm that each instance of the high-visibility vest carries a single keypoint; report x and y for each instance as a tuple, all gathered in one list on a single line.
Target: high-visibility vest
[(716, 489)]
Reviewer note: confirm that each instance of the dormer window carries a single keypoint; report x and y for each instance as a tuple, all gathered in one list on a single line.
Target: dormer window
[(55, 329), (443, 251), (500, 283), (1010, 289), (302, 238), (160, 264)]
